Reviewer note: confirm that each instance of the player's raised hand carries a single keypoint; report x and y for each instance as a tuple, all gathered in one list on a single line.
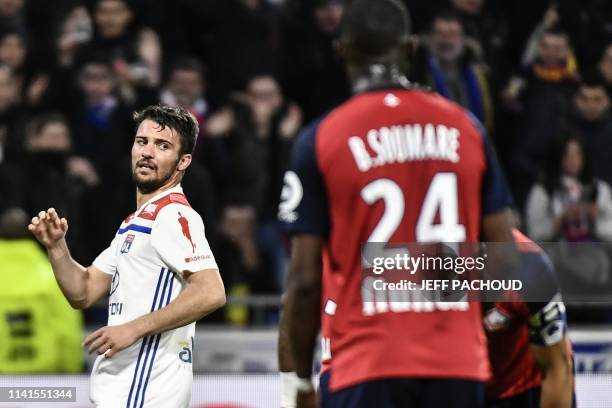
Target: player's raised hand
[(48, 228)]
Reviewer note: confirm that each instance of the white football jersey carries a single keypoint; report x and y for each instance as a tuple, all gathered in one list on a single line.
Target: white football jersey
[(147, 257)]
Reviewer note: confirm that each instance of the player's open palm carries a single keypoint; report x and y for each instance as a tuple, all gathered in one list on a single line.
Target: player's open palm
[(48, 227)]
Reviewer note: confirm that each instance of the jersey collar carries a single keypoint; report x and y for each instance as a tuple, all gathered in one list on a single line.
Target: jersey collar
[(176, 189)]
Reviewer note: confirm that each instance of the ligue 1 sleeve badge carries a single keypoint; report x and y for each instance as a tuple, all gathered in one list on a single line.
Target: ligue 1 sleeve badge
[(127, 244)]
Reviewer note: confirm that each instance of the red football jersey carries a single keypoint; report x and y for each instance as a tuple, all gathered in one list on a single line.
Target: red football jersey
[(513, 326), (394, 166)]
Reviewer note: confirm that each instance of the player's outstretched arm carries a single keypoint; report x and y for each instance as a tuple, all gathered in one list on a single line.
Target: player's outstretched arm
[(81, 286), (557, 377)]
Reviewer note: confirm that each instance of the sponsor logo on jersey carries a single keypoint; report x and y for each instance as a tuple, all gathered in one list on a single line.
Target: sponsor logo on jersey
[(127, 244), (196, 258), (185, 228), (185, 354), (115, 308), (291, 196)]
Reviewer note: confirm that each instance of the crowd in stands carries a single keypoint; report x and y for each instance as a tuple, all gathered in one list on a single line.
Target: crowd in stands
[(537, 74)]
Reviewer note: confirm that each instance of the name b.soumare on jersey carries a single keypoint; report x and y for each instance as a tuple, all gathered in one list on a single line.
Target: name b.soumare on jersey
[(147, 258), (395, 166)]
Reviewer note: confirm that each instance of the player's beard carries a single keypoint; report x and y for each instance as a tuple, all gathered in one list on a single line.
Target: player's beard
[(149, 185)]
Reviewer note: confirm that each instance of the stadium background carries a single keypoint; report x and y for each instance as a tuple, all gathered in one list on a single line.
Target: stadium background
[(253, 72)]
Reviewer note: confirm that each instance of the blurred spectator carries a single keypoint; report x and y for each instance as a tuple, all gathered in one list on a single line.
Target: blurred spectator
[(236, 38), (39, 331), (50, 176), (593, 121), (570, 204), (241, 261), (454, 69), (134, 52), (13, 50), (12, 14), (185, 88), (488, 32), (605, 67), (543, 97), (312, 71), (74, 31), (255, 134), (254, 137), (12, 117), (15, 53), (588, 23), (100, 120)]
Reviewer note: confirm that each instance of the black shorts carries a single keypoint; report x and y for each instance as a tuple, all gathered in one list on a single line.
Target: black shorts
[(405, 393)]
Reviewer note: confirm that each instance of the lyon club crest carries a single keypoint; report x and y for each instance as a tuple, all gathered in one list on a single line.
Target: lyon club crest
[(127, 244)]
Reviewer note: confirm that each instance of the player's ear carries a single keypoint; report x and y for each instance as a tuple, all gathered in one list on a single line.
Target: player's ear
[(184, 162)]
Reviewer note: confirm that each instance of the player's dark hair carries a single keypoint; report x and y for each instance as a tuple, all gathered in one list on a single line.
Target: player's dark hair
[(175, 118), (374, 27)]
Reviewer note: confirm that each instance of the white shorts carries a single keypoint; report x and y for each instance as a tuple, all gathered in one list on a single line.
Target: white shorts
[(167, 383)]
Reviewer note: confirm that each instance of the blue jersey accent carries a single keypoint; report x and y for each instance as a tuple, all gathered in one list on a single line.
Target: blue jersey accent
[(496, 194), (134, 227), (311, 214)]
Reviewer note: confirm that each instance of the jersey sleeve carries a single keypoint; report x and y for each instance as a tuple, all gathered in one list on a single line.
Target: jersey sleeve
[(303, 207), (178, 238), (496, 194), (107, 260)]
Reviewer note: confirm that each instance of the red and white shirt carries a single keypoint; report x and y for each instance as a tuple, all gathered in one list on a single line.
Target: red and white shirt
[(150, 252)]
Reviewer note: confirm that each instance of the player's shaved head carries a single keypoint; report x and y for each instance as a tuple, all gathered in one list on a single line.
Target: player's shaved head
[(372, 28)]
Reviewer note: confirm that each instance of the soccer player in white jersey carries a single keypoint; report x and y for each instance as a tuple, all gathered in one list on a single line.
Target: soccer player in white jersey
[(158, 270)]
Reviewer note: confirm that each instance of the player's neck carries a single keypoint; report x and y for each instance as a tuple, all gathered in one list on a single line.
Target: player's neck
[(377, 76), (143, 197)]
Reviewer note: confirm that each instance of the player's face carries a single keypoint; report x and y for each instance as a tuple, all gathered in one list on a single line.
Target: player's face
[(156, 158)]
